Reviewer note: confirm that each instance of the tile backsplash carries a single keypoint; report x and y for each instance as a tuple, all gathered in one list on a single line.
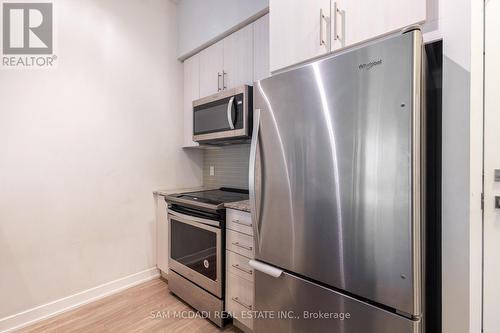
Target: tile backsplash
[(230, 166)]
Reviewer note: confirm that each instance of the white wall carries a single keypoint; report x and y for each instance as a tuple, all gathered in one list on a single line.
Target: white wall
[(460, 24), (202, 21), (83, 146)]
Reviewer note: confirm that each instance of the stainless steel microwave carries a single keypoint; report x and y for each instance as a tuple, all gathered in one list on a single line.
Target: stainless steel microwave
[(224, 116)]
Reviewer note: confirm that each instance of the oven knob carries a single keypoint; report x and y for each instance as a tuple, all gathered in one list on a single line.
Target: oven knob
[(205, 263)]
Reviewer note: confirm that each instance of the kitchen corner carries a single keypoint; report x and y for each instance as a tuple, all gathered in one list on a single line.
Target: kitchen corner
[(223, 259)]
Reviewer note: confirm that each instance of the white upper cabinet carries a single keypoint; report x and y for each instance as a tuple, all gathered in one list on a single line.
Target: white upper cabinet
[(238, 58), (191, 93), (227, 63), (302, 30), (358, 21), (211, 67), (261, 48), (299, 30)]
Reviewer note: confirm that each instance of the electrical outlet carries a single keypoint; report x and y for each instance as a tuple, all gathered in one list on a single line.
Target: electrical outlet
[(212, 170)]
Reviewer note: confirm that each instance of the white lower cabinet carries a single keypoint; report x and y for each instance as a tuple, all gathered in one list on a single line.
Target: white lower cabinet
[(239, 273), (239, 299), (238, 265), (161, 233), (240, 243), (239, 221)]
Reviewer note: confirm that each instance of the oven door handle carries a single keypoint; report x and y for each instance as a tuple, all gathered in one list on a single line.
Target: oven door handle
[(194, 218), (230, 113)]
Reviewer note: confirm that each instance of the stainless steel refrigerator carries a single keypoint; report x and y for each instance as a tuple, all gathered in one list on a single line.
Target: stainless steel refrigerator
[(335, 189)]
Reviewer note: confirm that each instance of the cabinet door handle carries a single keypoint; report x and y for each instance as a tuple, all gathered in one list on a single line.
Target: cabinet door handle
[(237, 300), (248, 271), (321, 17), (224, 80), (335, 34), (246, 247), (321, 27), (241, 223), (218, 81), (336, 13)]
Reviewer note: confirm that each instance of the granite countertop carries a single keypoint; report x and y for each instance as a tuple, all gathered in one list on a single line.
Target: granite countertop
[(179, 190), (243, 205)]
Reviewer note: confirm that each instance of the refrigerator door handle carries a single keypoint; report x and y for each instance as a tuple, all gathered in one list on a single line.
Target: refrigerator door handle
[(229, 113), (251, 182), (266, 269)]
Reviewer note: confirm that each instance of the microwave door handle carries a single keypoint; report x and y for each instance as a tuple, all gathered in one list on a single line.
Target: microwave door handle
[(229, 113)]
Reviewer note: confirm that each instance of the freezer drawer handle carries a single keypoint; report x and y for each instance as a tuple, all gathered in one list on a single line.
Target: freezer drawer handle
[(242, 223), (249, 248), (237, 300), (248, 271), (266, 269)]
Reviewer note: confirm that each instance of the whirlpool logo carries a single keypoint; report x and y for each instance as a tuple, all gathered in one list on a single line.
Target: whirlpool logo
[(27, 35), (370, 65)]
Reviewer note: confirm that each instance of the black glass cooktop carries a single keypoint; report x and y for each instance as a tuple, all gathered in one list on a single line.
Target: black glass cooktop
[(216, 197)]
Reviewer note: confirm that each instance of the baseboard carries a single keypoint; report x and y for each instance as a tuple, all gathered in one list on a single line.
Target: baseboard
[(31, 316), (164, 275)]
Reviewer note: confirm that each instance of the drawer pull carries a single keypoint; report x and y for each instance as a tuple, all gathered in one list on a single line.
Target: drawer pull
[(248, 271), (239, 222), (246, 247), (237, 300)]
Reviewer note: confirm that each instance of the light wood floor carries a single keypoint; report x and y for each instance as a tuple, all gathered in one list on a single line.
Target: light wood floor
[(134, 310)]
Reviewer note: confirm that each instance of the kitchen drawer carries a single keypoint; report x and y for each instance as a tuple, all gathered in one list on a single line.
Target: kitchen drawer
[(238, 265), (239, 221), (239, 243), (239, 299)]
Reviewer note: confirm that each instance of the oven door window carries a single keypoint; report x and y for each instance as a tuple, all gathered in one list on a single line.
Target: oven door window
[(194, 247), (213, 117)]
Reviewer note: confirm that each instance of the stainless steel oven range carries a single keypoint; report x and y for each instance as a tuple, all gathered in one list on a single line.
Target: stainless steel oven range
[(197, 239)]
